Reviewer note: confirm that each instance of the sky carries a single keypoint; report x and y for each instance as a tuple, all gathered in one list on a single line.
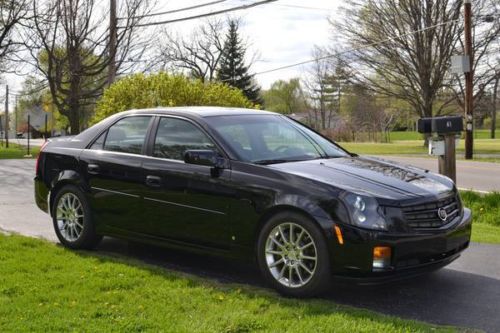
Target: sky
[(279, 33)]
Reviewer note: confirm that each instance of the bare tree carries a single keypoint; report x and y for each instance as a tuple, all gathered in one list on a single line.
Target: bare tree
[(12, 14), (403, 48), (199, 53), (324, 85), (70, 48)]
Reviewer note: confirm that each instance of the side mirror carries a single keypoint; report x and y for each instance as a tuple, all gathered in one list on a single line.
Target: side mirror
[(204, 157)]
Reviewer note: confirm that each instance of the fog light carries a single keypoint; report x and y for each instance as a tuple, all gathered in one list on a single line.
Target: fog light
[(381, 257)]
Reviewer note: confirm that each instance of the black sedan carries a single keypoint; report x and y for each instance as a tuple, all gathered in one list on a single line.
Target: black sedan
[(250, 184)]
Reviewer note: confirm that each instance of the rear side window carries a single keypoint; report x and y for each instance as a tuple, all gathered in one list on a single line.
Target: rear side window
[(127, 135), (175, 136)]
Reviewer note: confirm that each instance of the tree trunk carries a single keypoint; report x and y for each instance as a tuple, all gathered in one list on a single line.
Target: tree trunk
[(427, 113), (74, 120)]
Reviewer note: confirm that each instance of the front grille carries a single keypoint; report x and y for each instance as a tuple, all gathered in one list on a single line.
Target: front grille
[(426, 215)]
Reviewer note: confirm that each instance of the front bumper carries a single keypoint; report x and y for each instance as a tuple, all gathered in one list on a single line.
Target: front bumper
[(412, 254)]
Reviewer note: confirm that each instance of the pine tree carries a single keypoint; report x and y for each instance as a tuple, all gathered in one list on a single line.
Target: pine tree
[(233, 70)]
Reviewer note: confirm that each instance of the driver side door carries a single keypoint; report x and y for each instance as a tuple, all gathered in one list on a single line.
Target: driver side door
[(185, 202)]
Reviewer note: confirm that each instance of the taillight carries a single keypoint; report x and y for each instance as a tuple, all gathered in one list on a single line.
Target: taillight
[(38, 157)]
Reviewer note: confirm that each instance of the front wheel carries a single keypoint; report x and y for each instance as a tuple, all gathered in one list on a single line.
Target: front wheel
[(293, 255), (72, 219)]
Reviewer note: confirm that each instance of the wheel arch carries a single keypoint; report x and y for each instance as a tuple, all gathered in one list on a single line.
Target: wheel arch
[(321, 223), (65, 177)]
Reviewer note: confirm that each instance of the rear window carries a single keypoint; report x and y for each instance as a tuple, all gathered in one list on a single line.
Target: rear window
[(127, 135)]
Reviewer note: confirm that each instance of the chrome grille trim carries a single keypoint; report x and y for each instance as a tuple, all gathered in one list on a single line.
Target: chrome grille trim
[(425, 216)]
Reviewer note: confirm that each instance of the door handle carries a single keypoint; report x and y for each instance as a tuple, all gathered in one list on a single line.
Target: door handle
[(153, 181), (93, 169)]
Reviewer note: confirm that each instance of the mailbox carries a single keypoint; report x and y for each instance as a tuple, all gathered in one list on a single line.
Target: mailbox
[(440, 125), (424, 125), (444, 125)]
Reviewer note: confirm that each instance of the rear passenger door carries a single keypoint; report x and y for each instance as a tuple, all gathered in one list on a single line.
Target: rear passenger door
[(113, 168), (185, 202)]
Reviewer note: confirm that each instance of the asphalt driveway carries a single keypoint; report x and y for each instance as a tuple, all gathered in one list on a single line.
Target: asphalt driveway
[(466, 293)]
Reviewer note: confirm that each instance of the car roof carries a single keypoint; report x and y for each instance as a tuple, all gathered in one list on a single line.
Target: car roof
[(199, 111)]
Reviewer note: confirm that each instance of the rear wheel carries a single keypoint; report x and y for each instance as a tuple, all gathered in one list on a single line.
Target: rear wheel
[(72, 219), (293, 255)]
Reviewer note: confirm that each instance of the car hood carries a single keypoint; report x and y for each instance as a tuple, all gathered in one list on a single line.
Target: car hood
[(371, 176)]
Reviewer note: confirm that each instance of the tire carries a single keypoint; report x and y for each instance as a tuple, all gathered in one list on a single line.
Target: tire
[(278, 257), (72, 220)]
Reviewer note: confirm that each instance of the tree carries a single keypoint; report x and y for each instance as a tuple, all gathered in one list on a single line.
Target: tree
[(233, 70), (71, 50), (285, 97), (147, 91), (199, 54), (325, 83), (402, 48), (12, 13)]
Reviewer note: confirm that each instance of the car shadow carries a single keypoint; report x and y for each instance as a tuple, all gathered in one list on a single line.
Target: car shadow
[(445, 297)]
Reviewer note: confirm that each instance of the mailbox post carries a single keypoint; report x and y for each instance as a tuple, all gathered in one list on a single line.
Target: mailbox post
[(445, 130)]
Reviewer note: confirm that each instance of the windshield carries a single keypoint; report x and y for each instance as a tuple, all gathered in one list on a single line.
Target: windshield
[(267, 139)]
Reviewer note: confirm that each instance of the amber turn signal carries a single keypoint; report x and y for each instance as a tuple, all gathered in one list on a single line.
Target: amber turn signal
[(338, 232), (381, 257), (381, 252)]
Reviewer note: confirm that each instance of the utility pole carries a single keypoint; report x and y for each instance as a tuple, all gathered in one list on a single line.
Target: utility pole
[(112, 42), (469, 77), (7, 116), (15, 117)]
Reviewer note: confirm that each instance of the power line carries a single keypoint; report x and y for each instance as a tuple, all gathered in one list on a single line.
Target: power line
[(232, 9), (174, 10), (328, 56), (299, 6)]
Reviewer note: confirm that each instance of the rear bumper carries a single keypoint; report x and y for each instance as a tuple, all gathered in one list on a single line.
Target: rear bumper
[(41, 195), (412, 254)]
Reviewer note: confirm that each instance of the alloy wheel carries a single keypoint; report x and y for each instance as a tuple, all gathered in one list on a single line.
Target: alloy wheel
[(291, 255), (69, 217)]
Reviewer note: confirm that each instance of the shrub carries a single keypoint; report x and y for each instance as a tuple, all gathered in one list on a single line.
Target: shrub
[(161, 89)]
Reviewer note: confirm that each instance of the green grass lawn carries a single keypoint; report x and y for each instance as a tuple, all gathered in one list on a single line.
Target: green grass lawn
[(416, 147), (485, 214), (46, 288), (17, 151), (404, 135)]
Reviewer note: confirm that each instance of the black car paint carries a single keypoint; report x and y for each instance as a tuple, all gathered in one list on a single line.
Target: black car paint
[(193, 208)]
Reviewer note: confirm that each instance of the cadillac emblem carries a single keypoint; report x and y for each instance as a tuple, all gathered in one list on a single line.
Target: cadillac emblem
[(442, 214)]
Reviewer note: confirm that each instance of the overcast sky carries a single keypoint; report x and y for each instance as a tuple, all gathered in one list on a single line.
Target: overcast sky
[(281, 33)]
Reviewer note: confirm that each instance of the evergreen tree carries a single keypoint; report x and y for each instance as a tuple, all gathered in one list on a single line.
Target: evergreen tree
[(233, 70)]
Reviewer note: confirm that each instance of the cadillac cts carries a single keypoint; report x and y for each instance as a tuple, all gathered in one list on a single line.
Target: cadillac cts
[(250, 184)]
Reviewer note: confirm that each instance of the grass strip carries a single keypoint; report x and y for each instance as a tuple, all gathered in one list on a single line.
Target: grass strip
[(17, 151), (44, 287)]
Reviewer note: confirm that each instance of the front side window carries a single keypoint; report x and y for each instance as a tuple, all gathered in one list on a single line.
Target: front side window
[(127, 135), (175, 136), (265, 139)]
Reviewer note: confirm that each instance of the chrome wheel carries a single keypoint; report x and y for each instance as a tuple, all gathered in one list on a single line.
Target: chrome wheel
[(291, 255), (69, 217)]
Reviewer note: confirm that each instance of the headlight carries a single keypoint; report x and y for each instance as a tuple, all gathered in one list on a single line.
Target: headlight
[(365, 212)]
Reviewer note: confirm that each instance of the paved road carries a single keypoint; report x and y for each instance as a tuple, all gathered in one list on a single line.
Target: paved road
[(482, 176), (466, 293)]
